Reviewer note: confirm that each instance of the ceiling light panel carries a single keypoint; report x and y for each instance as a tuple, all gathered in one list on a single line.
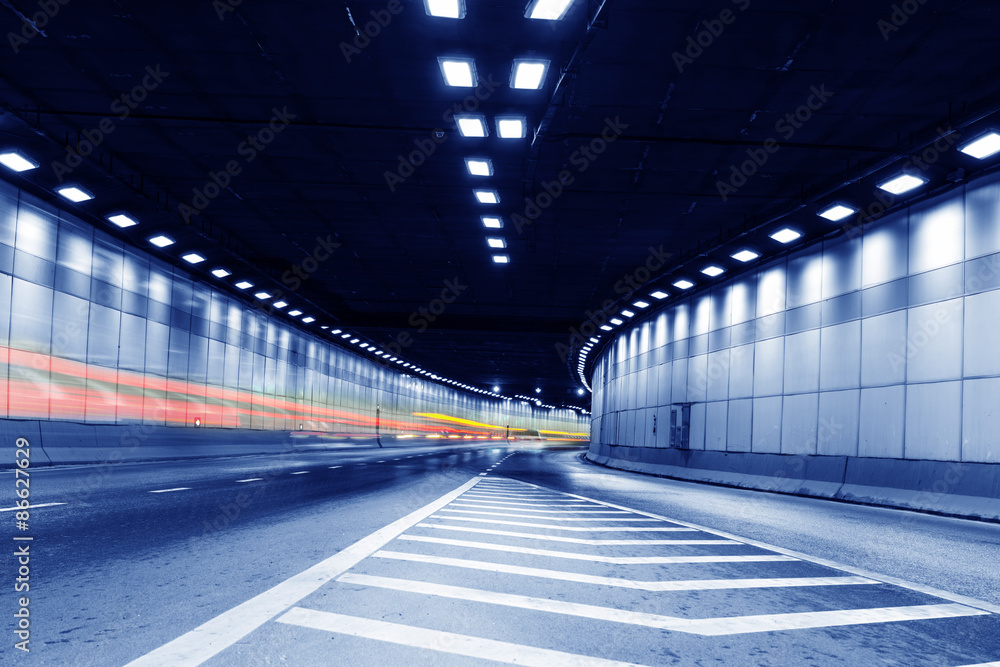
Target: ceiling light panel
[(511, 127), (458, 72), (470, 125), (479, 166), (547, 10), (983, 147), (446, 9), (528, 74), (902, 184)]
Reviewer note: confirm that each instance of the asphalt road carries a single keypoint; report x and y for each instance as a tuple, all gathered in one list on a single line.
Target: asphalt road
[(481, 554)]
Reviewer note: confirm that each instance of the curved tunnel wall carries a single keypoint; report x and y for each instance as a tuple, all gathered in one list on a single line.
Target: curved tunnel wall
[(872, 347), (97, 333)]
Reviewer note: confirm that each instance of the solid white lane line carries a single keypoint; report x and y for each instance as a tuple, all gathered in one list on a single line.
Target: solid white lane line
[(582, 529), (443, 642), (895, 581), (179, 488), (227, 628), (705, 626), (984, 664), (31, 507), (617, 560), (547, 518), (573, 540), (459, 503), (301, 472), (252, 479), (654, 586)]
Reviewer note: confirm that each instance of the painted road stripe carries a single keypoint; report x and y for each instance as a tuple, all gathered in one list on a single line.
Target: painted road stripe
[(227, 628), (617, 560), (301, 472), (252, 479), (588, 529), (984, 664), (525, 499), (547, 518), (705, 626), (459, 503), (572, 540), (179, 488), (31, 507), (654, 586), (885, 579), (335, 467), (443, 642), (505, 503)]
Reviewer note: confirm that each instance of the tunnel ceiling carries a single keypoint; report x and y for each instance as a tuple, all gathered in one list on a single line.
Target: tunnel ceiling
[(685, 89)]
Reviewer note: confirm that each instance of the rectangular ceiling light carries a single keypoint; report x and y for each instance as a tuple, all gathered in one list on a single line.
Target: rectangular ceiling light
[(122, 220), (487, 196), (511, 127), (280, 304), (547, 10), (981, 148), (837, 212), (683, 284), (221, 273), (161, 241), (501, 259), (479, 166), (902, 184), (639, 304), (445, 9), (713, 270), (295, 313), (308, 320), (75, 194), (262, 295), (470, 125), (459, 72), (628, 313), (594, 340), (492, 222), (785, 235), (243, 284), (14, 161), (193, 258), (658, 294), (605, 327), (496, 242), (336, 331), (745, 255), (528, 74), (615, 321)]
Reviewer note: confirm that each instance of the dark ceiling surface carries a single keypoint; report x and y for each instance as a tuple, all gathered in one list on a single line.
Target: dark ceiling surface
[(681, 115)]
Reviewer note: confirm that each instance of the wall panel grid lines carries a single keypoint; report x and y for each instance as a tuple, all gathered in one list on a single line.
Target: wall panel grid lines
[(880, 343)]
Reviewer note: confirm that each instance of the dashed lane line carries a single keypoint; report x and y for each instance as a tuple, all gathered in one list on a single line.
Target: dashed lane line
[(227, 628), (252, 479), (616, 560), (704, 626), (179, 488), (29, 507), (300, 472), (444, 642), (652, 586)]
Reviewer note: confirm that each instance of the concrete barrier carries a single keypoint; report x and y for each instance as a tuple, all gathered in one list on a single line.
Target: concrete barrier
[(968, 490)]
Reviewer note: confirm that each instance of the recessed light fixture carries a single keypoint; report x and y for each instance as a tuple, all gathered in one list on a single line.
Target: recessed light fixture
[(243, 284), (511, 127), (496, 388), (308, 320), (16, 161), (487, 196), (983, 146), (193, 258), (75, 193), (262, 295), (496, 242), (837, 212), (639, 304), (492, 222), (528, 74), (628, 313), (446, 9), (364, 346), (346, 335), (280, 304), (658, 294), (354, 341), (615, 321), (161, 241), (122, 220), (458, 72), (745, 255), (902, 184), (294, 313), (595, 340), (479, 166), (713, 270), (785, 235), (470, 125), (683, 284), (501, 259), (221, 273), (336, 331), (548, 10)]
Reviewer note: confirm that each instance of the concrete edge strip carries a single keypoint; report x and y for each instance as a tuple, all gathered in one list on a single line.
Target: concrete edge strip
[(221, 632)]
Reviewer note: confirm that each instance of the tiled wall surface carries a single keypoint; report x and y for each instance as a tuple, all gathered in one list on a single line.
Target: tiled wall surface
[(95, 331), (881, 344)]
